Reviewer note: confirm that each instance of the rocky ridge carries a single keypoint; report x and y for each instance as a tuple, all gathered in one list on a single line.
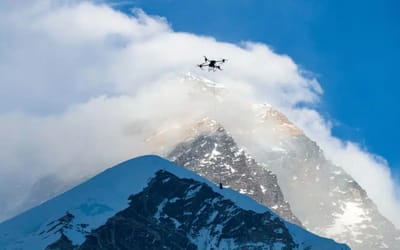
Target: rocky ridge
[(215, 155)]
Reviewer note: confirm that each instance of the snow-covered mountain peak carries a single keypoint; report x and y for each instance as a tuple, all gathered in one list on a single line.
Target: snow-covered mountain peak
[(205, 124), (267, 113), (323, 197), (163, 140), (214, 154), (151, 203)]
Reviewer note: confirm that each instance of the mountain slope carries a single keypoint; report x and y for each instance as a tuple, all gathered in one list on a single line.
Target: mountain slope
[(215, 155), (325, 198), (185, 214), (169, 206), (321, 195)]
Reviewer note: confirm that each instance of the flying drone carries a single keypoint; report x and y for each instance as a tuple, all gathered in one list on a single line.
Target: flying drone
[(212, 65)]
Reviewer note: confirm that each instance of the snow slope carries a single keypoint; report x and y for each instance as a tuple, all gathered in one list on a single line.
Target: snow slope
[(101, 197)]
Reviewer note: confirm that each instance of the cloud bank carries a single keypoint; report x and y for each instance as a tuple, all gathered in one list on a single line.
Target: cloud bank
[(84, 85)]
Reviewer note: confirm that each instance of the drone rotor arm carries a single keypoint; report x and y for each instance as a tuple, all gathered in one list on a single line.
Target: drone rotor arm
[(203, 64), (222, 60)]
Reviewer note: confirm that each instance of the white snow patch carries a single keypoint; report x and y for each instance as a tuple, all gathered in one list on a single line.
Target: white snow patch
[(176, 222), (347, 221), (306, 239), (263, 189), (212, 217), (278, 149), (243, 191), (336, 189), (203, 144), (230, 168), (160, 208), (192, 192), (215, 152), (175, 199), (239, 152)]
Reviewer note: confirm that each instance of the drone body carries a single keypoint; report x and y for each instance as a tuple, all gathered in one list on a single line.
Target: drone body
[(212, 65)]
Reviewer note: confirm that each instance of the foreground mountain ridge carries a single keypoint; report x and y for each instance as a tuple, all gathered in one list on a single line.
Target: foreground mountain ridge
[(169, 207)]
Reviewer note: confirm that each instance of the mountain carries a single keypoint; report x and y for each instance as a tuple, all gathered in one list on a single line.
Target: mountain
[(325, 198), (322, 196), (151, 203), (260, 154), (214, 154), (311, 190)]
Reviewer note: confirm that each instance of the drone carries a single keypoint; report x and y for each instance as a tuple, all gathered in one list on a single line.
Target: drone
[(212, 65)]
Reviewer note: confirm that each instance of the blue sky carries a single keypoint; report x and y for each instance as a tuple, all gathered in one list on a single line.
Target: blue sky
[(352, 47)]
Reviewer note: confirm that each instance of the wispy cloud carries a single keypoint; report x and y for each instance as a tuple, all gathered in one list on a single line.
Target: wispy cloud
[(84, 85)]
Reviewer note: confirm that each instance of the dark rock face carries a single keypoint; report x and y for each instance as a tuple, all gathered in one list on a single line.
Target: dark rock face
[(215, 155), (59, 225), (173, 213), (63, 243)]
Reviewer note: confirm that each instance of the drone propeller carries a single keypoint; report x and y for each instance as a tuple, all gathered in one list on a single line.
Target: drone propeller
[(205, 58)]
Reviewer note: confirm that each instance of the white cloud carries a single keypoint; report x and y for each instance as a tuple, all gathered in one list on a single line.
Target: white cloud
[(84, 85), (369, 170)]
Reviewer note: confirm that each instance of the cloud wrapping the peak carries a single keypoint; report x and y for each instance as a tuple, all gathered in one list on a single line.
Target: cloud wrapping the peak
[(84, 86)]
